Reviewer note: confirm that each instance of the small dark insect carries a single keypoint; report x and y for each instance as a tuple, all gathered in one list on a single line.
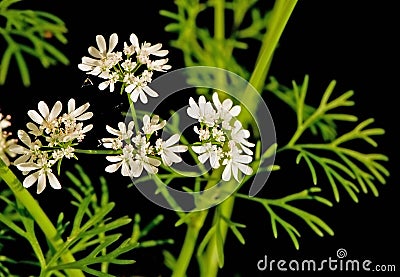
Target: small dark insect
[(87, 82)]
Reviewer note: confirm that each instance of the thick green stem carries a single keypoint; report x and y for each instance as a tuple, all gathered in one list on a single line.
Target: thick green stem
[(37, 213), (194, 224), (281, 13), (210, 259)]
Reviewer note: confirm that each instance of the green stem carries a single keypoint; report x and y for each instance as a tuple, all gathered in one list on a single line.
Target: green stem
[(37, 213), (98, 152), (281, 13), (194, 224), (210, 258)]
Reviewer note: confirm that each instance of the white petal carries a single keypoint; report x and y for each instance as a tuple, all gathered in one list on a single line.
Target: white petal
[(150, 91), (30, 180), (54, 183), (113, 159), (24, 137), (125, 170), (203, 158), (214, 160), (226, 174), (113, 41), (35, 116), (134, 95), (85, 116), (87, 128), (27, 166), (134, 40), (112, 167), (198, 149), (235, 111), (245, 169), (178, 148), (94, 52), (41, 183), (143, 97), (235, 171), (101, 43), (55, 111), (243, 159), (172, 140), (71, 105), (43, 109), (112, 131)]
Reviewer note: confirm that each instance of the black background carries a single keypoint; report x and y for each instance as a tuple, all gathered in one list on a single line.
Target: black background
[(352, 42)]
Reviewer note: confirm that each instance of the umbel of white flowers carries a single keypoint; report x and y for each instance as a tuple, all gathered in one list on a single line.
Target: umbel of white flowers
[(133, 67), (54, 137), (223, 140)]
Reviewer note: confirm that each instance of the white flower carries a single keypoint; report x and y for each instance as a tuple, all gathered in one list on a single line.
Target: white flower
[(113, 78), (167, 150), (139, 90), (93, 65), (240, 136), (144, 162), (225, 110), (151, 126), (203, 112), (124, 161), (208, 151), (42, 173), (159, 65), (29, 153), (46, 119), (236, 162), (145, 50), (79, 113), (124, 134)]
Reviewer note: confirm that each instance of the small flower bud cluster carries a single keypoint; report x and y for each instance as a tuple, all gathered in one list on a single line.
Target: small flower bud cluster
[(222, 139), (54, 136), (133, 67), (137, 152), (6, 143)]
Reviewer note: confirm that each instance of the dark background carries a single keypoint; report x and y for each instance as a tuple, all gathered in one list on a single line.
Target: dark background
[(352, 42)]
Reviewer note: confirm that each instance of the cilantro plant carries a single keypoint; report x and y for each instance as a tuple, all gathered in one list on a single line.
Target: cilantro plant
[(215, 162)]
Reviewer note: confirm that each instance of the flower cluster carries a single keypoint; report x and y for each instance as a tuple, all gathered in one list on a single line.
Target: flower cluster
[(223, 140), (54, 136), (137, 152), (5, 142), (133, 67)]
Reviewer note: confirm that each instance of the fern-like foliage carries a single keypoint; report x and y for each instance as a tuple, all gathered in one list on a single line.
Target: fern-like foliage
[(5, 261), (29, 33), (201, 46), (274, 206), (337, 156)]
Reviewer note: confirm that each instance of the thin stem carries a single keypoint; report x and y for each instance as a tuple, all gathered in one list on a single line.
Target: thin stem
[(98, 152), (37, 213), (133, 113)]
